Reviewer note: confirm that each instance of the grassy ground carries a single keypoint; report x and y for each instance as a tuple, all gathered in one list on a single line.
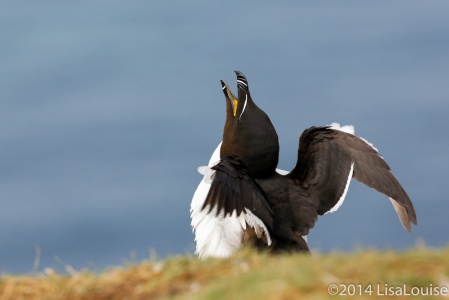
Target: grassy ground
[(364, 274)]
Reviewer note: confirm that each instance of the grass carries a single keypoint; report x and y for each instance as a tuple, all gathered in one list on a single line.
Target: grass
[(246, 275)]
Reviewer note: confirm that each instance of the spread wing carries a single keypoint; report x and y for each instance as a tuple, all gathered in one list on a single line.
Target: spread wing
[(327, 160), (233, 190)]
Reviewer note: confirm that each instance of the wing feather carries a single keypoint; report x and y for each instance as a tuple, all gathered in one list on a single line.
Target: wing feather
[(234, 190), (325, 158), (372, 170)]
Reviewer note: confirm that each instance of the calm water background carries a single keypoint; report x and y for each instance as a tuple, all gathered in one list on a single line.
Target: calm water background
[(108, 107)]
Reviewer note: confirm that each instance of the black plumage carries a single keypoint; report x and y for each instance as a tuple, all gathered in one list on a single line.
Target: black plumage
[(246, 177), (234, 189)]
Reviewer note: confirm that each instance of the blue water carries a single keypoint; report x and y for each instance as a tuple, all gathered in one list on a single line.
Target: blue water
[(107, 108)]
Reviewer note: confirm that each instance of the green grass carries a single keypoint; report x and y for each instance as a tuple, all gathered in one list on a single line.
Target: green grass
[(246, 275)]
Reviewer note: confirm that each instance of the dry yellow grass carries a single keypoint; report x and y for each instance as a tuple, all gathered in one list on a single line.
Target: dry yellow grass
[(246, 275)]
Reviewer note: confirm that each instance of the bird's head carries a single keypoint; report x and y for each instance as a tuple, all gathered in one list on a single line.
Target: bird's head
[(248, 131)]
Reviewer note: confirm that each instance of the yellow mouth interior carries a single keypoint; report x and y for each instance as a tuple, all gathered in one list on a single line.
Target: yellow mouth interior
[(234, 105), (228, 93)]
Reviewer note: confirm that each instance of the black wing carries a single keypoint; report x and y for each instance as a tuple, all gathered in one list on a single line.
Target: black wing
[(233, 189), (326, 159)]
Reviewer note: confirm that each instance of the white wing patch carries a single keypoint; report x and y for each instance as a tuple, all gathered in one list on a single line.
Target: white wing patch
[(371, 145), (342, 198), (216, 235), (282, 172), (345, 128), (259, 227), (215, 158), (350, 129)]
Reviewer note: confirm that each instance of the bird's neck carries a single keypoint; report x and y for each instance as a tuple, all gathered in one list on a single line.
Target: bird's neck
[(254, 139)]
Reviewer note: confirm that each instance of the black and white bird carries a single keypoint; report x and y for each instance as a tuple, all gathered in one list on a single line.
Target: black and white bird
[(244, 198)]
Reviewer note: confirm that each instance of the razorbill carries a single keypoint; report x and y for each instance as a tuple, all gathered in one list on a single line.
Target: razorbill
[(243, 198)]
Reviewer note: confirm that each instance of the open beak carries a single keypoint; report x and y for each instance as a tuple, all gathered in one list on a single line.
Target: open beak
[(242, 83), (230, 96)]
